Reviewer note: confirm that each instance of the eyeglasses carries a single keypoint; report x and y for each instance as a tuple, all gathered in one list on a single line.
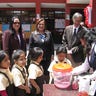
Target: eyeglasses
[(16, 22)]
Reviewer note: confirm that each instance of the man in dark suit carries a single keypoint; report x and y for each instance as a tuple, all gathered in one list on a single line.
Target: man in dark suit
[(72, 42)]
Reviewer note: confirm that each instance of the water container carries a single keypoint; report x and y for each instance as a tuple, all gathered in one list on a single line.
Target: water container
[(62, 75), (84, 85)]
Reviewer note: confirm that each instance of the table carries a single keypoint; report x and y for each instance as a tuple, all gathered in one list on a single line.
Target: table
[(51, 90)]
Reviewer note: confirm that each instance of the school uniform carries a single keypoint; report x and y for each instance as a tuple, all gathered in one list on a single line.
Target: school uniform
[(19, 78), (36, 72), (6, 83), (56, 61)]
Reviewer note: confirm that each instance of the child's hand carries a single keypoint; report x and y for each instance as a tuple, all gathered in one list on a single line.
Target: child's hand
[(38, 90), (27, 90)]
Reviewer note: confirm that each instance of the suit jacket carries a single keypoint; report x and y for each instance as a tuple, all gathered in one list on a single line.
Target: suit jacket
[(11, 42), (47, 45), (69, 41)]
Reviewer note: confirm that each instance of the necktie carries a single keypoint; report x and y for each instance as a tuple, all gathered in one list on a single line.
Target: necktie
[(75, 34)]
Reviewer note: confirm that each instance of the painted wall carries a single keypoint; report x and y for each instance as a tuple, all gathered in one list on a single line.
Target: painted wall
[(44, 1)]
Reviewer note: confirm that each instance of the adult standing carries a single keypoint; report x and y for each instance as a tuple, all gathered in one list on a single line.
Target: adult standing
[(88, 40), (72, 42), (42, 38), (14, 37)]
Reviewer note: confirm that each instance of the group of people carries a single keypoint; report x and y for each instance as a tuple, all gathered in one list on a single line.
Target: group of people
[(19, 82), (27, 76)]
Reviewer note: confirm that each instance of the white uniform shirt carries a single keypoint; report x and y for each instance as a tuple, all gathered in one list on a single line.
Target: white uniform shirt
[(54, 62), (3, 80), (85, 66), (18, 78), (34, 71)]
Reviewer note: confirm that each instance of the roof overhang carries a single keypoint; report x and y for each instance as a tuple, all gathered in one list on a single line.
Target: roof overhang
[(52, 5), (17, 5), (78, 1)]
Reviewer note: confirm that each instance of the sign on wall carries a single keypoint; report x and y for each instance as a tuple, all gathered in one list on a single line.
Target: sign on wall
[(26, 27)]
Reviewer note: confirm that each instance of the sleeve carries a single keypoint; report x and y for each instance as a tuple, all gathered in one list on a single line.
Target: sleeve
[(69, 62), (24, 38), (32, 72), (64, 39), (31, 45), (5, 41), (17, 77), (3, 84), (31, 42), (93, 76), (51, 65), (82, 68), (51, 44), (95, 49)]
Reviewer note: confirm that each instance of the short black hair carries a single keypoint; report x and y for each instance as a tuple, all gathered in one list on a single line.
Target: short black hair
[(16, 54), (2, 55), (35, 53), (61, 50), (90, 36)]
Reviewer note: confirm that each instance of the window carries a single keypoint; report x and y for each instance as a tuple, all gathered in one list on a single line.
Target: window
[(25, 16)]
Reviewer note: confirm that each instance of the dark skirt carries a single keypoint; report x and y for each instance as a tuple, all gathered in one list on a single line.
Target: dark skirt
[(10, 90), (40, 82), (19, 92)]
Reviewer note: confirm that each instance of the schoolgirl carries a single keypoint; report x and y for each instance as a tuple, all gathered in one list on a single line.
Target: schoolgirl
[(36, 76), (20, 74), (6, 87)]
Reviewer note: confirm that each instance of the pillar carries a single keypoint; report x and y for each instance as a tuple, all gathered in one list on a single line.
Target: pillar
[(67, 15), (93, 4), (38, 9)]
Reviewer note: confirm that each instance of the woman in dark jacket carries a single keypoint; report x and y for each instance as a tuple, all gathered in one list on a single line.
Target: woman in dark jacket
[(14, 37), (42, 38)]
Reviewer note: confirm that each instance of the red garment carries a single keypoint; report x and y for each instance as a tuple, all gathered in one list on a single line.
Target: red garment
[(3, 93)]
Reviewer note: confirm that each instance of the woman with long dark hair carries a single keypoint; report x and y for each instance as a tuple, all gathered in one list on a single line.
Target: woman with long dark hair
[(14, 37)]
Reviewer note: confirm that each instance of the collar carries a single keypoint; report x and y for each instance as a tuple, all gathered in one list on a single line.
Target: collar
[(76, 27), (35, 62), (21, 68), (4, 70), (65, 60), (38, 33)]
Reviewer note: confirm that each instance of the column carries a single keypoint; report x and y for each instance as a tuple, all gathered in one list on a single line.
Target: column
[(93, 4), (67, 15), (38, 9)]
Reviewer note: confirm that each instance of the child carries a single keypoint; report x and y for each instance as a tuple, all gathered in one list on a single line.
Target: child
[(61, 54), (5, 75), (20, 74), (36, 77)]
